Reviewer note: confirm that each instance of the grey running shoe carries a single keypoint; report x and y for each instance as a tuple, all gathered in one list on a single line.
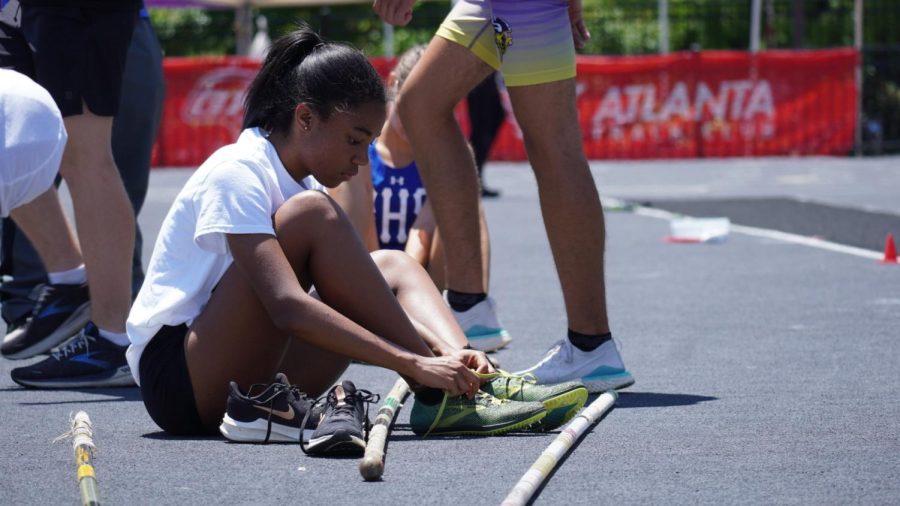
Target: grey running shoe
[(345, 421)]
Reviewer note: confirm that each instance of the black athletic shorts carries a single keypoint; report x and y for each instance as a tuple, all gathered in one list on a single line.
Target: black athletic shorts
[(14, 51), (79, 54), (166, 384)]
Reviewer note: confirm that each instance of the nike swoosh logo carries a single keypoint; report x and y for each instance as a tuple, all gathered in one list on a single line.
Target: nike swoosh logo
[(452, 419), (287, 414)]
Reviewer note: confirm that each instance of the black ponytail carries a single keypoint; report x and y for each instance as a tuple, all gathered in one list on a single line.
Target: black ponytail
[(301, 67)]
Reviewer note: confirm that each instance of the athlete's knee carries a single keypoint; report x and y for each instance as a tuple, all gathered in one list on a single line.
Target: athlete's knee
[(309, 208), (88, 166), (557, 159), (416, 103), (306, 205), (394, 262)]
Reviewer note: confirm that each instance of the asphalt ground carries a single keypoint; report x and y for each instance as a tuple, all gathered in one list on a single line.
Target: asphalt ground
[(767, 371)]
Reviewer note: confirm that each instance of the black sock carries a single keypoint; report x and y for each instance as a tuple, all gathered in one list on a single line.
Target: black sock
[(430, 396), (588, 342), (461, 301)]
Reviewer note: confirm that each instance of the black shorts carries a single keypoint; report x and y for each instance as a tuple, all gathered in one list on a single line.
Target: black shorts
[(166, 384), (79, 54), (14, 51)]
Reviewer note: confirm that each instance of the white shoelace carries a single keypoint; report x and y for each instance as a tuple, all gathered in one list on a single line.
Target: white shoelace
[(82, 340)]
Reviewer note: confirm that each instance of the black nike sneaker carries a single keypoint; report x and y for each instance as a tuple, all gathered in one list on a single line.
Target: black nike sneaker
[(345, 421), (60, 312), (270, 413), (88, 360)]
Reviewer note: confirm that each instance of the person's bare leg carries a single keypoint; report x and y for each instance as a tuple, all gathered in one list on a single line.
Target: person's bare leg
[(570, 204), (342, 270), (423, 306), (444, 75), (356, 199), (315, 370), (234, 338), (419, 297), (43, 222), (485, 250), (103, 214), (437, 263)]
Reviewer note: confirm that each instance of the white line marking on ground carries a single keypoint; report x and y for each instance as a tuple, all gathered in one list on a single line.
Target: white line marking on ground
[(777, 235)]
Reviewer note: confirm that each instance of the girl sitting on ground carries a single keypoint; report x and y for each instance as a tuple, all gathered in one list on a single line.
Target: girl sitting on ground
[(258, 271)]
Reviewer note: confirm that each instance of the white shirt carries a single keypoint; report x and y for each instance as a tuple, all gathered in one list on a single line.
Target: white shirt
[(236, 191), (32, 140)]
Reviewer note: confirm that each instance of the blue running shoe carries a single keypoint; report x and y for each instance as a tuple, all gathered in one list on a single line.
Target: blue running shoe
[(60, 312), (88, 360), (600, 370)]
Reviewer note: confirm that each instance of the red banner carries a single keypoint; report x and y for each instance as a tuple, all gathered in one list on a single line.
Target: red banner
[(203, 107), (706, 104), (718, 103)]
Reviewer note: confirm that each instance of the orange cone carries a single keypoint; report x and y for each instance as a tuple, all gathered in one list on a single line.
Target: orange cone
[(890, 250)]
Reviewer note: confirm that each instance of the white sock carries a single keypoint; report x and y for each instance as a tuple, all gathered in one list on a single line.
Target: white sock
[(74, 276), (117, 338)]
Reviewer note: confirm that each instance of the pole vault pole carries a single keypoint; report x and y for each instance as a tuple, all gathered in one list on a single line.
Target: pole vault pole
[(529, 483)]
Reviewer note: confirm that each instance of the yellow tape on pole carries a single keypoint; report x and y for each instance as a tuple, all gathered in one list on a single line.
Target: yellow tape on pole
[(525, 488), (83, 444)]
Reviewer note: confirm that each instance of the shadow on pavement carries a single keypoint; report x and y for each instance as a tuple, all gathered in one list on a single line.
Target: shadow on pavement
[(625, 400), (408, 434), (657, 400), (165, 436), (128, 394)]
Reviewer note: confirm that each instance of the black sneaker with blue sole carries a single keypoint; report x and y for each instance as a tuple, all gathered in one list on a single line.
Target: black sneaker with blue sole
[(60, 312), (87, 361)]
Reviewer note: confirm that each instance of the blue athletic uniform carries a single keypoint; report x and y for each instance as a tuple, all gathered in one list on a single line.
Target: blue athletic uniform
[(399, 197)]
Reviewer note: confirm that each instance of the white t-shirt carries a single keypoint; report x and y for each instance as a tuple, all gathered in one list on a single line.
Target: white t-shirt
[(32, 140), (236, 191)]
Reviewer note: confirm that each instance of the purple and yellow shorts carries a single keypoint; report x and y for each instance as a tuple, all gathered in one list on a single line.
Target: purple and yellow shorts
[(529, 41)]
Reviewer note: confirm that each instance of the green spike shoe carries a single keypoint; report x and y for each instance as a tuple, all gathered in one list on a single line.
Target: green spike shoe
[(484, 415), (562, 400)]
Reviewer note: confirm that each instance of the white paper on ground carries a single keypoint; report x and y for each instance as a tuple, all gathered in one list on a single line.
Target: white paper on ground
[(700, 229)]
